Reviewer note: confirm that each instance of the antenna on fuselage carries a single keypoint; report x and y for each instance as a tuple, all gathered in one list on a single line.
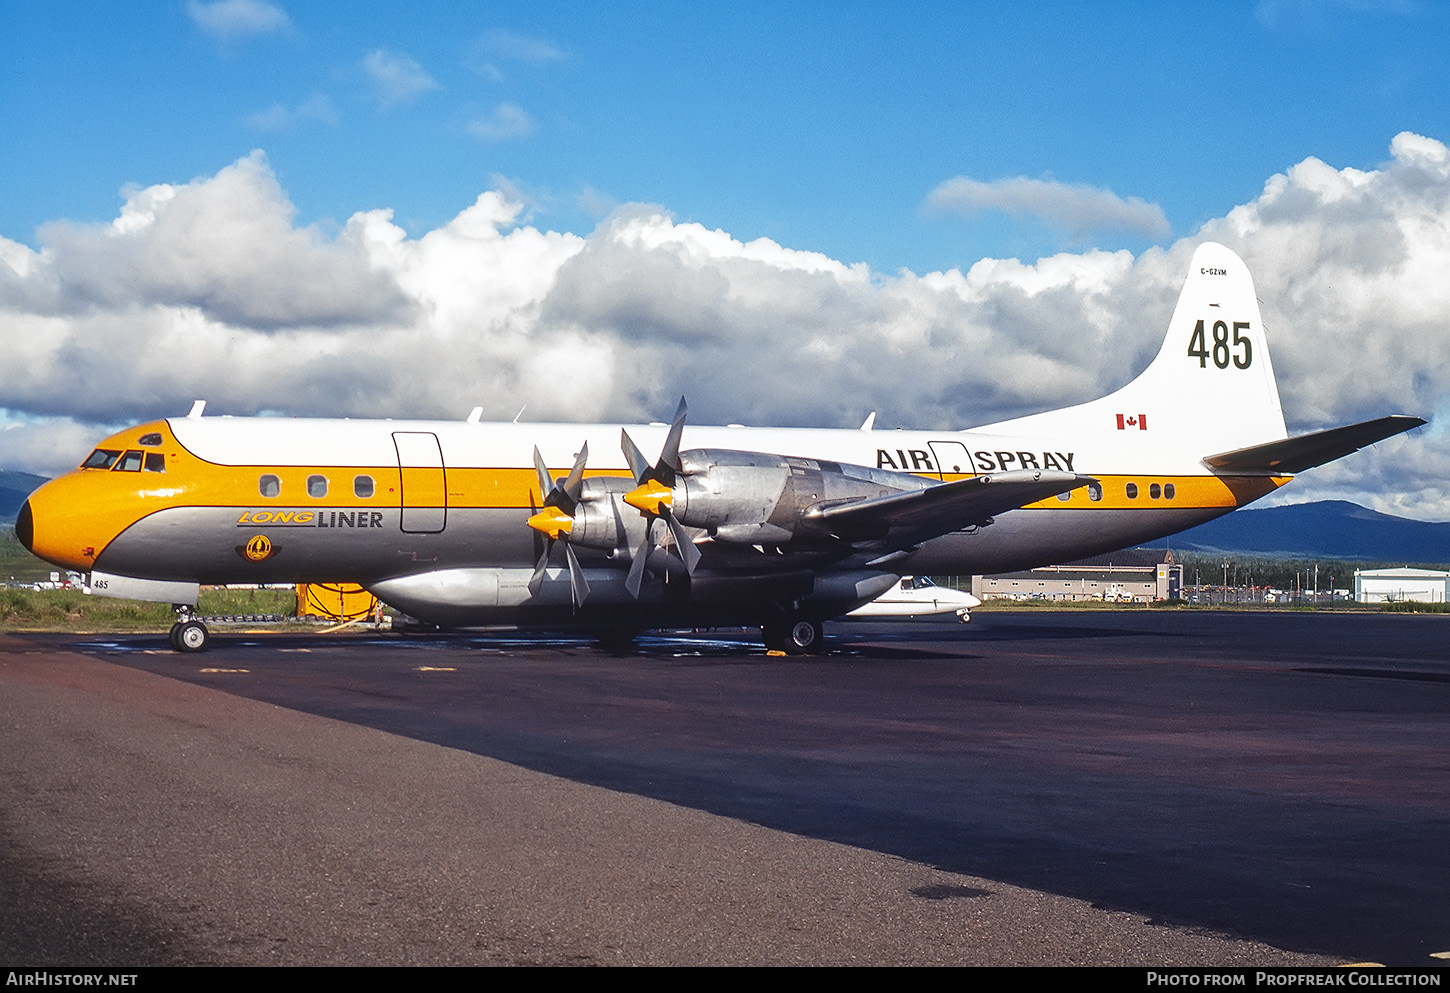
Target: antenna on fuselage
[(197, 406)]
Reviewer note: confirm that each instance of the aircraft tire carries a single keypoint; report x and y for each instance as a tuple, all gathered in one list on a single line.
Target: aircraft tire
[(797, 636), (190, 636)]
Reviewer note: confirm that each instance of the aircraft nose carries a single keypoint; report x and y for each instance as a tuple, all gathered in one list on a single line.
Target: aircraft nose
[(56, 523), (25, 526)]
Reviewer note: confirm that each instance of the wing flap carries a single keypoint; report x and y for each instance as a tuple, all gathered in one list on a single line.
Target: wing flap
[(921, 514), (1293, 455)]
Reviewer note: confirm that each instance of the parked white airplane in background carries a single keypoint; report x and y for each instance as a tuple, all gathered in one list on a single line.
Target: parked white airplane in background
[(457, 523), (917, 596)]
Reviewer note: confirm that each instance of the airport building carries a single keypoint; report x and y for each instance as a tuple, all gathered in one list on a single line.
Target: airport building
[(1137, 574), (1394, 585)]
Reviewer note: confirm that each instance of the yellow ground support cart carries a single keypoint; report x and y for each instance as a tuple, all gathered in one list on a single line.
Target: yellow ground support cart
[(336, 601)]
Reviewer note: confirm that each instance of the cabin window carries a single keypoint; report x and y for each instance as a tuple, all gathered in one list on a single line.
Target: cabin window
[(317, 487), (1168, 491), (1155, 491), (269, 485), (362, 486), (1064, 497), (101, 458), (1132, 491), (1095, 491), (130, 462), (155, 462), (151, 440)]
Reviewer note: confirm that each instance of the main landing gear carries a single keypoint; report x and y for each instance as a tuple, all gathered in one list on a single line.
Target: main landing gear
[(794, 636), (188, 634)]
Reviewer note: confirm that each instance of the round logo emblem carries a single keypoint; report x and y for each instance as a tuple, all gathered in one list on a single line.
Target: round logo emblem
[(258, 549)]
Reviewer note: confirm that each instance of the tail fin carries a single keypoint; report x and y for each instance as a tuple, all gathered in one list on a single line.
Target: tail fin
[(1211, 389)]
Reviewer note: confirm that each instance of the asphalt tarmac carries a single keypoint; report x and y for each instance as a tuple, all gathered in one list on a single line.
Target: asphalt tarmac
[(1053, 788)]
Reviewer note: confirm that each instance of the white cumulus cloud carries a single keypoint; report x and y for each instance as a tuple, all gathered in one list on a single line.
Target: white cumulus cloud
[(1075, 208)]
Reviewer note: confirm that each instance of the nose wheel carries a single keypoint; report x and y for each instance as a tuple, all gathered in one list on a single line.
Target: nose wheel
[(189, 634)]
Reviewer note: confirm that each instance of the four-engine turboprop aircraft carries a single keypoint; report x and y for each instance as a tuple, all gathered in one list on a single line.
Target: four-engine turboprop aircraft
[(461, 523)]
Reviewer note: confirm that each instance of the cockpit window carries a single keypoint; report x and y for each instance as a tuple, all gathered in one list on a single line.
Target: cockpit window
[(150, 440), (101, 458), (155, 462), (130, 462)]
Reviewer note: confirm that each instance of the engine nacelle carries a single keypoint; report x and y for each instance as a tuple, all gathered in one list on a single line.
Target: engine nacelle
[(602, 519), (758, 498)]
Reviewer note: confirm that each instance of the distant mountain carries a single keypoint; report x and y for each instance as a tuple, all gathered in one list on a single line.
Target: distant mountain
[(14, 488), (1329, 529)]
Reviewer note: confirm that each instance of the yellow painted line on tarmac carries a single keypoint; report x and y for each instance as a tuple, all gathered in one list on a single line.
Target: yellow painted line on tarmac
[(1440, 955), (215, 670), (436, 668)]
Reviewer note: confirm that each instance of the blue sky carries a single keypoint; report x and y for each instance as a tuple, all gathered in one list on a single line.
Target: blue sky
[(822, 126), (949, 213)]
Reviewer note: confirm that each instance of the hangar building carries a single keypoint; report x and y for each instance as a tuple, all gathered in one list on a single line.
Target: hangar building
[(1392, 585), (1139, 574)]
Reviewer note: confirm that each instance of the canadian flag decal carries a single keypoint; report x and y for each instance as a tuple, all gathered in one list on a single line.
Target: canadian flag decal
[(1139, 421)]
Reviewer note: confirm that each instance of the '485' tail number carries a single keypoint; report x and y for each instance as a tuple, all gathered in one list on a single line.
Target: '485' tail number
[(1240, 352)]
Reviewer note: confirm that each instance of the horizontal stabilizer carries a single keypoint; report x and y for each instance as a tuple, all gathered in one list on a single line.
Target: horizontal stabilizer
[(906, 518), (1309, 450)]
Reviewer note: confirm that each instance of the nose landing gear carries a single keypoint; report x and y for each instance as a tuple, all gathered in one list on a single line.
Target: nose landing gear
[(188, 634)]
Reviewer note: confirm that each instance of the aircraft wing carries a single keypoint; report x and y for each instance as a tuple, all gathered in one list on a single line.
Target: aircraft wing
[(1309, 450), (907, 518)]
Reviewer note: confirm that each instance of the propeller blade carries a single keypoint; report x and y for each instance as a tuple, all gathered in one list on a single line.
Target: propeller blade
[(669, 461), (546, 483), (537, 582), (636, 566), (638, 464), (688, 552), (578, 585), (574, 483), (541, 548)]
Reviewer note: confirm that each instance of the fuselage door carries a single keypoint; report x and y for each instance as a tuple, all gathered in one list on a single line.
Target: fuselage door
[(424, 497), (952, 460)]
